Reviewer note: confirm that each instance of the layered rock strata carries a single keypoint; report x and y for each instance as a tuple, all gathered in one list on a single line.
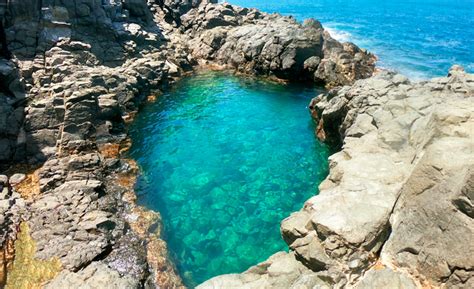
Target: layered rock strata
[(78, 73), (396, 210)]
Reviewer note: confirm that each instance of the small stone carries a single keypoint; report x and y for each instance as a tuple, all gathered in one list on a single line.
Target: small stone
[(455, 68), (354, 264), (310, 251), (4, 205), (3, 180), (3, 192), (16, 179)]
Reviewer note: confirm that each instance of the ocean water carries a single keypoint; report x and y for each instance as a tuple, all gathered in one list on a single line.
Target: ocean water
[(225, 159), (419, 38)]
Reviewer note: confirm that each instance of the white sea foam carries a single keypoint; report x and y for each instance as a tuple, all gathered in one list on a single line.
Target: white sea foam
[(412, 74), (338, 34)]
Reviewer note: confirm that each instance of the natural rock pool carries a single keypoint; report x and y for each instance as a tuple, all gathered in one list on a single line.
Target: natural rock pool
[(224, 159)]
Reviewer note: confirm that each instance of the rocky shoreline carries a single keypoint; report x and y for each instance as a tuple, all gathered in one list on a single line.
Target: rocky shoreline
[(396, 208), (80, 71)]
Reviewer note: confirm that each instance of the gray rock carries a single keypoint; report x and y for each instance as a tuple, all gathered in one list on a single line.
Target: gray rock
[(385, 278), (426, 234), (95, 276), (3, 180), (295, 226), (273, 45), (280, 271), (310, 281), (400, 141), (310, 251), (16, 179)]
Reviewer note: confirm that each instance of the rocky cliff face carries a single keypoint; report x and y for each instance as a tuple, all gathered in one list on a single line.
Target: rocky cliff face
[(54, 42), (258, 43), (396, 208)]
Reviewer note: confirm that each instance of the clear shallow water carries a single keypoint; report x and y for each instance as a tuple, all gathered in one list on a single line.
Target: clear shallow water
[(419, 38), (225, 159)]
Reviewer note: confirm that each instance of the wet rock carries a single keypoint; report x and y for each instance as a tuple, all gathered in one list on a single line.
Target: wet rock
[(129, 257)]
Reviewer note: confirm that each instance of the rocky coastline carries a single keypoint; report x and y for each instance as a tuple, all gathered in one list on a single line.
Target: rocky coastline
[(77, 71), (396, 208)]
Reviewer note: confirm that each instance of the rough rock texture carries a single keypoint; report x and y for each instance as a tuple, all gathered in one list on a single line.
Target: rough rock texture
[(385, 278), (398, 201), (96, 275), (396, 208), (12, 101), (78, 72), (281, 270), (260, 43)]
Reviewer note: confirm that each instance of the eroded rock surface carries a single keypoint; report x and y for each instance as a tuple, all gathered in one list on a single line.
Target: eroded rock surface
[(272, 45), (96, 275), (281, 270)]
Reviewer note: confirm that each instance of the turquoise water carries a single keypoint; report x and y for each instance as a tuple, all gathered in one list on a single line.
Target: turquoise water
[(225, 159), (420, 38)]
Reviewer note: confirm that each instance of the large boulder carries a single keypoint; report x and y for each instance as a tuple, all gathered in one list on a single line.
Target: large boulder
[(273, 45), (404, 146), (434, 219)]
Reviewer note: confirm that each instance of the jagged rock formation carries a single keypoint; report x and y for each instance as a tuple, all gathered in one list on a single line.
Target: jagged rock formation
[(397, 207), (80, 70), (258, 43)]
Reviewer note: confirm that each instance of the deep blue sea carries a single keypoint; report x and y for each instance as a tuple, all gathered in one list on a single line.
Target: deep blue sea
[(419, 38)]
